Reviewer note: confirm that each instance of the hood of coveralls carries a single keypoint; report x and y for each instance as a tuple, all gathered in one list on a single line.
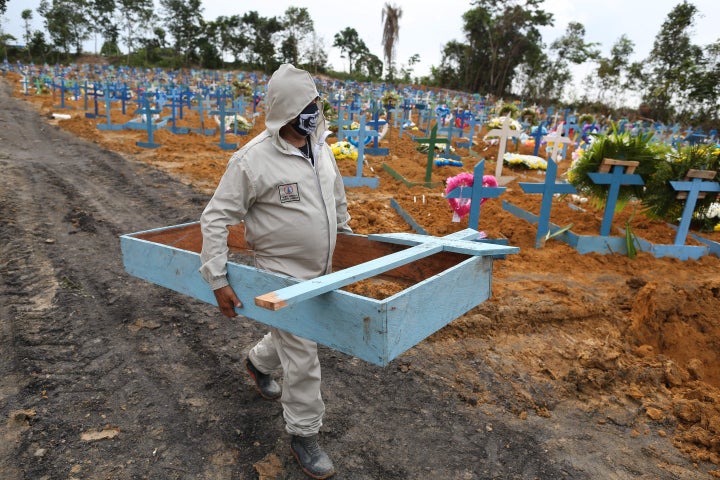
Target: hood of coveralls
[(289, 91)]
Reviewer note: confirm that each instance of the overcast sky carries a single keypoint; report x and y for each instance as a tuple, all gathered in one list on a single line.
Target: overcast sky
[(425, 26)]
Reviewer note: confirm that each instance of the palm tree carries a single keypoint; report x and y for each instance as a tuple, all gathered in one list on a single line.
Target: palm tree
[(391, 33)]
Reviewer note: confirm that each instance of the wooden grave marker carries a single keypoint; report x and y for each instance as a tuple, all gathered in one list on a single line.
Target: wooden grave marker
[(503, 133), (361, 133), (548, 189), (478, 192), (696, 185), (431, 141), (612, 172)]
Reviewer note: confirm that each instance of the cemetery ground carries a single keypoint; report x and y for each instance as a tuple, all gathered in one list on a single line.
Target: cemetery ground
[(578, 366)]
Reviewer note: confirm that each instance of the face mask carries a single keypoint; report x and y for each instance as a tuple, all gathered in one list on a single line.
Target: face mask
[(307, 120)]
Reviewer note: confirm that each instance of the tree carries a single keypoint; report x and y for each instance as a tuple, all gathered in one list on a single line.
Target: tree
[(182, 19), (406, 71), (499, 36), (298, 26), (610, 70), (672, 63), (27, 16), (135, 16), (391, 34), (66, 23), (351, 46), (3, 7), (260, 32), (316, 55), (568, 48), (369, 65), (704, 90), (100, 13), (38, 46)]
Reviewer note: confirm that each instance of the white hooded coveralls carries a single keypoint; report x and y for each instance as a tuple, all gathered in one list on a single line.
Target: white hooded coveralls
[(292, 211)]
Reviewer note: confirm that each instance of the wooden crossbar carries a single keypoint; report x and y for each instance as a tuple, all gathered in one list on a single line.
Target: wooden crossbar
[(693, 173), (608, 163), (332, 281)]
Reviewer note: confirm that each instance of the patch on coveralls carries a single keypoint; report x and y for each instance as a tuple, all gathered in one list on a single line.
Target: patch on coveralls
[(289, 193)]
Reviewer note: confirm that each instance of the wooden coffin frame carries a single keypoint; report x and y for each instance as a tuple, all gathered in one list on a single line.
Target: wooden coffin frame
[(447, 277)]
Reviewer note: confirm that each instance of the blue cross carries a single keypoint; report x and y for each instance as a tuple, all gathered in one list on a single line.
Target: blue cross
[(691, 189), (201, 112), (472, 123), (108, 125), (361, 133), (548, 189), (449, 130), (614, 179), (148, 112), (538, 135), (222, 111), (376, 123), (477, 193)]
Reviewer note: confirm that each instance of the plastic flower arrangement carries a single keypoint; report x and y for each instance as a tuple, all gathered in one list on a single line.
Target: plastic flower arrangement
[(391, 98), (344, 150), (531, 162), (661, 199), (711, 217), (439, 147), (240, 123), (618, 146), (497, 122), (241, 88)]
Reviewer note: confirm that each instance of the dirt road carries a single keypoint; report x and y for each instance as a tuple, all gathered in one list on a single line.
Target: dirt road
[(103, 376)]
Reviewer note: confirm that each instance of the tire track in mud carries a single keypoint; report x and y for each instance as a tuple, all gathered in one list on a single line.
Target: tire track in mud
[(78, 347)]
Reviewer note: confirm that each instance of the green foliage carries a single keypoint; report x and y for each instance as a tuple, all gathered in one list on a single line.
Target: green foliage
[(350, 45), (110, 49), (660, 198), (617, 146), (508, 109)]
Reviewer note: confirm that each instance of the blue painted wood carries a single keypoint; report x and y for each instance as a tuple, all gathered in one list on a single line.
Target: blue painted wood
[(148, 112), (614, 179), (693, 188), (538, 134), (108, 125), (607, 245), (477, 193), (472, 123), (376, 123), (201, 107), (548, 189), (712, 247), (406, 216), (376, 331), (360, 133), (222, 111), (464, 242), (332, 281)]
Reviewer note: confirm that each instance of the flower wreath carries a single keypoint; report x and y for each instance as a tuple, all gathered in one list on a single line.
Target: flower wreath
[(461, 206)]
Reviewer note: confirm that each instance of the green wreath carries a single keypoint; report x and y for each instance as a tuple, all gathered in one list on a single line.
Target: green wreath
[(618, 146), (660, 198)]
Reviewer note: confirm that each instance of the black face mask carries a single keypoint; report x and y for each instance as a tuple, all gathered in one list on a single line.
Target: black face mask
[(307, 120)]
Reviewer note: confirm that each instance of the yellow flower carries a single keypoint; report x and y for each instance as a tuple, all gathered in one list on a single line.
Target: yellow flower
[(343, 150)]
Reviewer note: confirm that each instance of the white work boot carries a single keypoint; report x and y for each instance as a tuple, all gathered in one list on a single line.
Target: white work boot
[(311, 457)]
